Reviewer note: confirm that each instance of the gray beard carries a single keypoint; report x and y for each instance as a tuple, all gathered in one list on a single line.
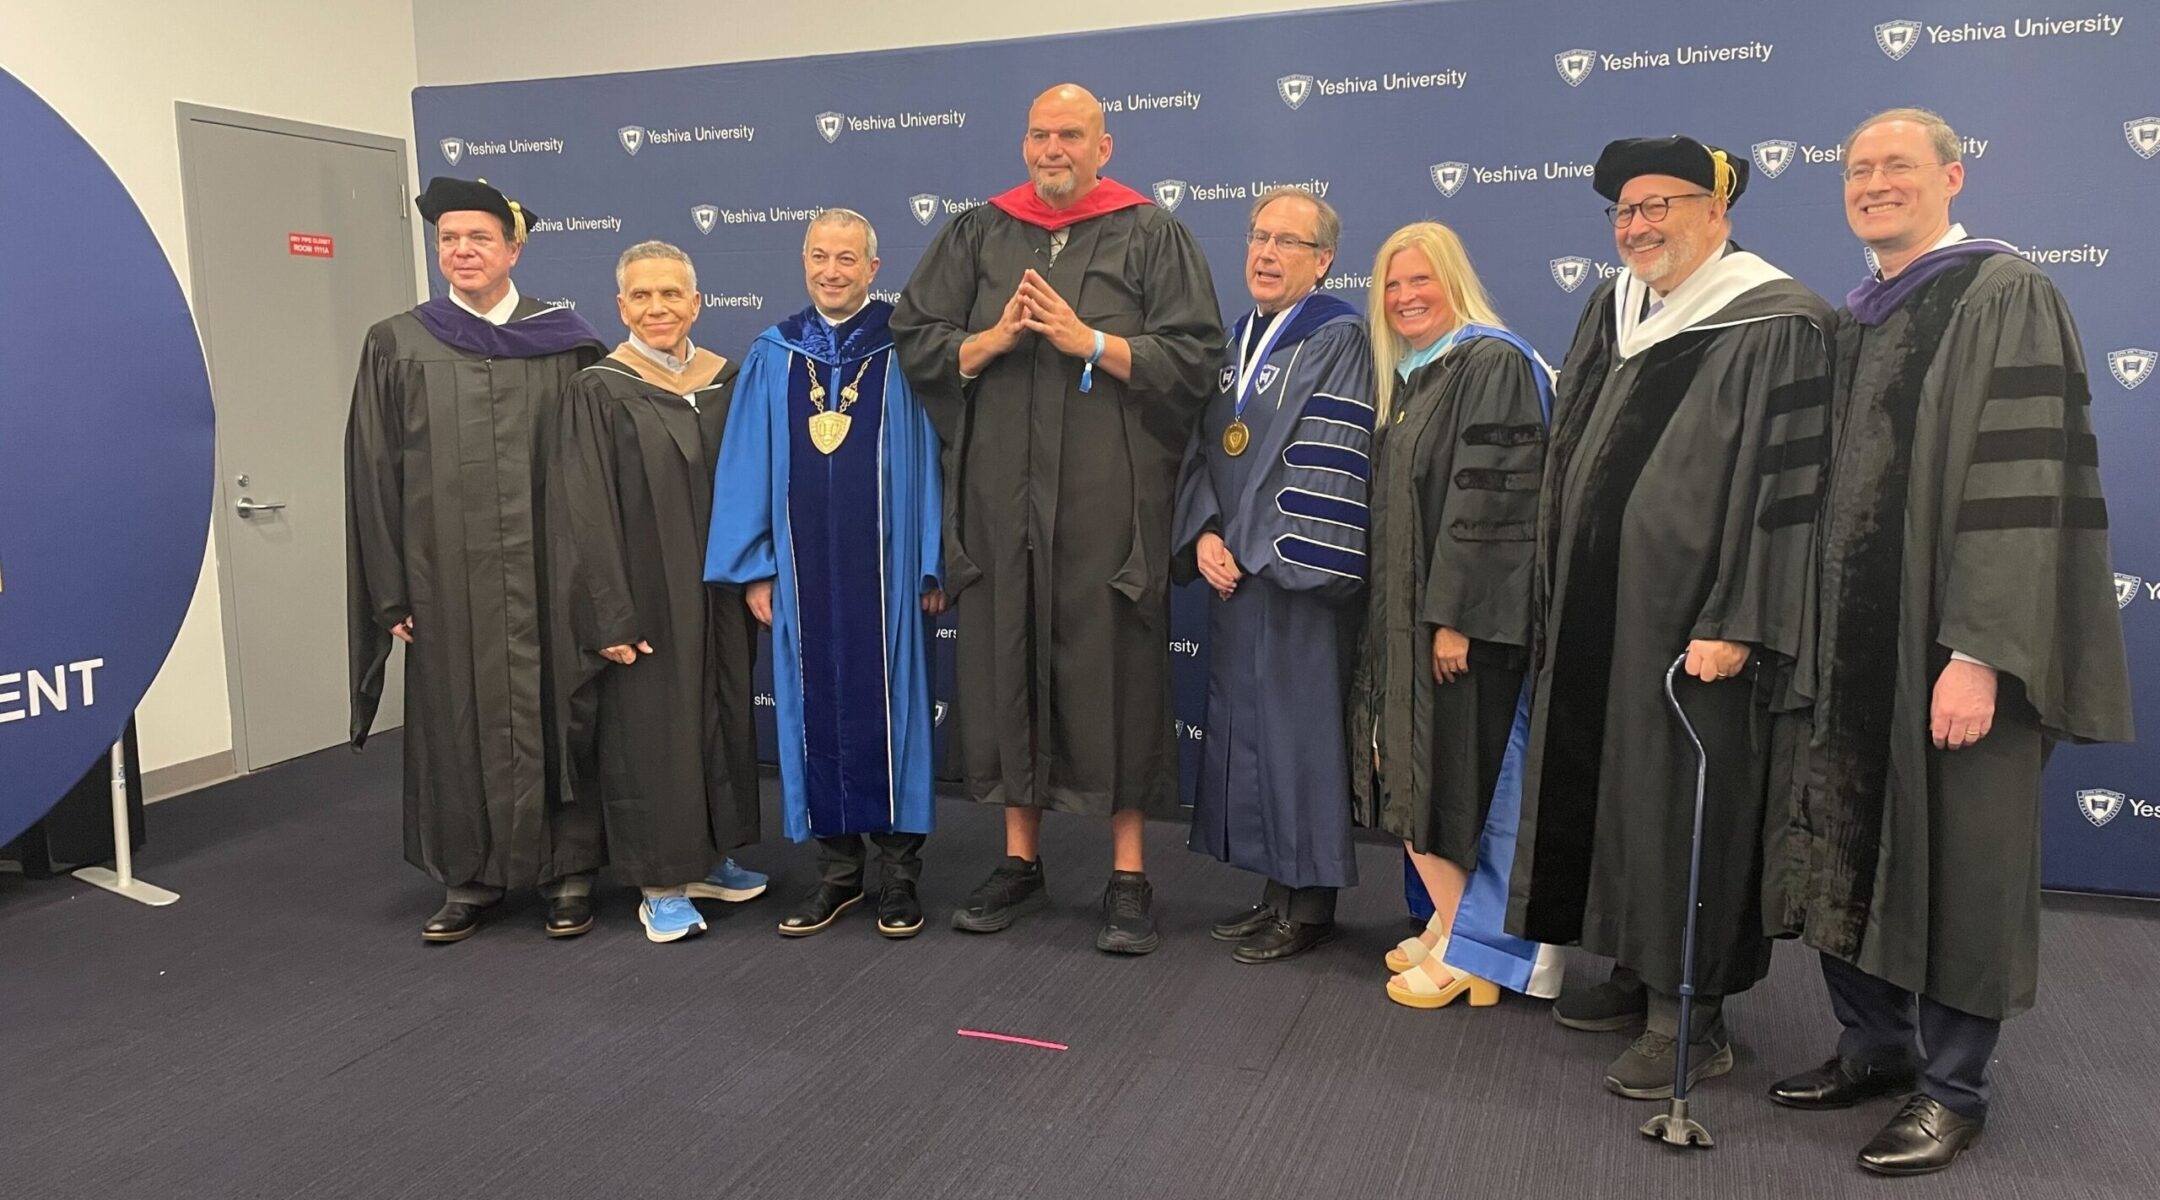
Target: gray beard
[(1675, 251), (1048, 192)]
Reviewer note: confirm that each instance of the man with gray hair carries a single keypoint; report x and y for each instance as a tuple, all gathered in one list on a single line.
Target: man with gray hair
[(1267, 515), (658, 666), (1964, 624), (826, 513)]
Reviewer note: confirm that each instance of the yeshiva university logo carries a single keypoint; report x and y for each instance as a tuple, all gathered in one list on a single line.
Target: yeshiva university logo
[(1575, 65), (2126, 589), (924, 206), (705, 216), (632, 138), (829, 125), (1773, 156), (1170, 193), (452, 149), (1897, 38), (1450, 177), (2143, 135), (1570, 272), (2100, 805), (2132, 366), (1295, 90)]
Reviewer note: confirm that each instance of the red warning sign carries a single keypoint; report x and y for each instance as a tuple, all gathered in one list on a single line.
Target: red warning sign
[(310, 245)]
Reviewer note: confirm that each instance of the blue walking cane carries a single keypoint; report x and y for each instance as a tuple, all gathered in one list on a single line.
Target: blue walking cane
[(1674, 1127)]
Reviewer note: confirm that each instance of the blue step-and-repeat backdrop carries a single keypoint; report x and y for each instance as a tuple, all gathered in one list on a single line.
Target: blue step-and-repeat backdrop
[(1483, 114)]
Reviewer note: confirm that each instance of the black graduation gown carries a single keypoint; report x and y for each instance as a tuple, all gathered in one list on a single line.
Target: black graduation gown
[(1679, 492), (674, 750), (1455, 494), (1963, 511), (445, 521), (1057, 548)]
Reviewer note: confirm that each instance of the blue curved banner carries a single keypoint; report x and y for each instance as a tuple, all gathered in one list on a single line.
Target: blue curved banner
[(105, 457)]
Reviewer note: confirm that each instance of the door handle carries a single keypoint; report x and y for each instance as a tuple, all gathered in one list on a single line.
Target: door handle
[(248, 507)]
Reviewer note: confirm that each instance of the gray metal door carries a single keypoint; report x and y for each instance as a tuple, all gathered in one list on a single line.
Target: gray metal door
[(298, 239)]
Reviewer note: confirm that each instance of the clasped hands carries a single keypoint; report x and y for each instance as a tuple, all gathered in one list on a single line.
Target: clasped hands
[(1036, 308)]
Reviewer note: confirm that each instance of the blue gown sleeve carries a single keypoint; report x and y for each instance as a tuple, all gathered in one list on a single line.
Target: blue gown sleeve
[(928, 490), (1318, 495), (739, 549)]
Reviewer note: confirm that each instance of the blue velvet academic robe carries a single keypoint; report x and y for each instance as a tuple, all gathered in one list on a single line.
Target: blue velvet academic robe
[(850, 540), (1274, 779)]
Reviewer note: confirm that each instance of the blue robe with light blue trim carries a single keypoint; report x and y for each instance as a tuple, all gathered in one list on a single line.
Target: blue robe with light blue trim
[(1274, 781), (850, 540)]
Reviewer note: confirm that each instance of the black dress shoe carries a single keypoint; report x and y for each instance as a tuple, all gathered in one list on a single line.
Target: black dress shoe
[(569, 916), (1923, 1138), (1842, 1083), (819, 909), (1239, 926), (1280, 940), (453, 922), (899, 913)]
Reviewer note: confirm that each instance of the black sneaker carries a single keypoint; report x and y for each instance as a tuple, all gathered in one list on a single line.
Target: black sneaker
[(1645, 1070), (1619, 1003), (1012, 891), (1127, 927)]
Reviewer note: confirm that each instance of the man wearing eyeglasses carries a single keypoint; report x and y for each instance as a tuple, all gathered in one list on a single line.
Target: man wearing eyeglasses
[(1063, 338), (1965, 624), (1271, 512), (1680, 490)]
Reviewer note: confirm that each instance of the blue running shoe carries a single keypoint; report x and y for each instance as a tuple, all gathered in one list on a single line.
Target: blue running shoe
[(729, 882), (669, 918)]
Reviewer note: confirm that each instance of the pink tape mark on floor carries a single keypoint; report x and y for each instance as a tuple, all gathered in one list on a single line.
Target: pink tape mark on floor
[(1017, 1041)]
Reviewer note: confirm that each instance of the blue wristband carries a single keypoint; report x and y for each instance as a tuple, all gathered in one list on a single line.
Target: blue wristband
[(1087, 372), (1097, 356)]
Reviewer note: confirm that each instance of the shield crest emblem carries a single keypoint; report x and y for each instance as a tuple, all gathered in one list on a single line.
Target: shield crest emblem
[(938, 712), (2100, 805), (1897, 38), (1227, 380), (1773, 156), (704, 216), (2143, 135), (924, 206), (1295, 90), (632, 139), (1266, 378), (829, 125), (1450, 176), (2132, 366), (2126, 589), (452, 149), (1570, 272), (1575, 65), (1170, 193)]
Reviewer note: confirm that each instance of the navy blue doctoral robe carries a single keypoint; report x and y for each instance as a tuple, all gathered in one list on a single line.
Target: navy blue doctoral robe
[(850, 541), (1274, 779)]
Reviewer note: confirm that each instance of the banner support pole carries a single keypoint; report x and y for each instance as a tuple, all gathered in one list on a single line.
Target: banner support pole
[(120, 877)]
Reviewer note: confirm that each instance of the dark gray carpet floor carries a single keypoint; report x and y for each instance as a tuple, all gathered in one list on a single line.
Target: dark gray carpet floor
[(283, 1032)]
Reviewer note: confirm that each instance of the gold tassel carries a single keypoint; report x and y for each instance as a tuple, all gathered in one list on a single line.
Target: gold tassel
[(1722, 172)]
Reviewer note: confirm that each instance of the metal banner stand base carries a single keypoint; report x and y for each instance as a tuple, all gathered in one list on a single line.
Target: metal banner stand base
[(120, 877)]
